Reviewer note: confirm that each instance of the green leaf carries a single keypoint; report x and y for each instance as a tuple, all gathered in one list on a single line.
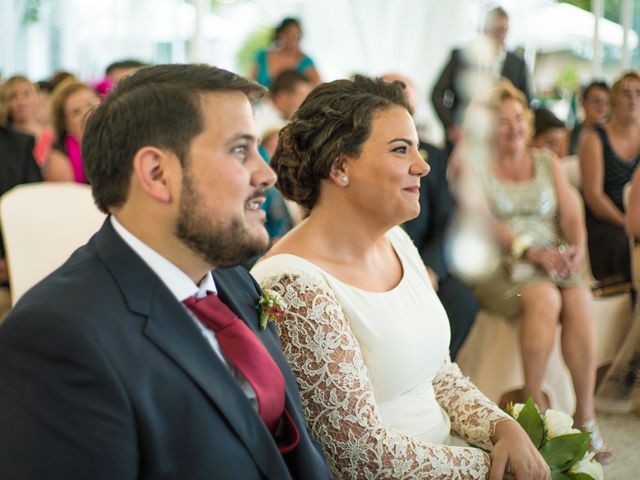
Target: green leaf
[(264, 320), (579, 476), (532, 422), (556, 475), (562, 452)]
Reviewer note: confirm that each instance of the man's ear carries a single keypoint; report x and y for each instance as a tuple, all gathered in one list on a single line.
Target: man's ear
[(154, 168), (339, 171)]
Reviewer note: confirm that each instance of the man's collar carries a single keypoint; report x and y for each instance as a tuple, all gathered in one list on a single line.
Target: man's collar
[(177, 281)]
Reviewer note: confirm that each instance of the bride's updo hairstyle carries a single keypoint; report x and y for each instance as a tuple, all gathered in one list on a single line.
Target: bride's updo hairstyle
[(334, 121)]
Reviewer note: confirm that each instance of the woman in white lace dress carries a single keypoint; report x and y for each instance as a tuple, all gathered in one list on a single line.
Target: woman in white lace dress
[(364, 331)]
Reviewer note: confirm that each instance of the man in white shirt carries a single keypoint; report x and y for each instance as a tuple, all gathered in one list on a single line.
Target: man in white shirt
[(108, 369)]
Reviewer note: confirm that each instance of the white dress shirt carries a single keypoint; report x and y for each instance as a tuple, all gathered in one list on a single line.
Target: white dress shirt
[(182, 287)]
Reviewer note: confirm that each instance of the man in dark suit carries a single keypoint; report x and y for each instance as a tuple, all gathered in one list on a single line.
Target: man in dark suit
[(17, 166), (107, 371), (450, 93), (428, 231)]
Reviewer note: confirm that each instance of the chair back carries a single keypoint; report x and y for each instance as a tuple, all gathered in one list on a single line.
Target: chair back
[(42, 224), (571, 167)]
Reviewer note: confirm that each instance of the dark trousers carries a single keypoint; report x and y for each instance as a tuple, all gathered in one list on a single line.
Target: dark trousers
[(461, 307)]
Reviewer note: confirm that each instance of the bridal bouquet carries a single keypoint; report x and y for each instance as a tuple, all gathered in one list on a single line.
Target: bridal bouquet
[(564, 448)]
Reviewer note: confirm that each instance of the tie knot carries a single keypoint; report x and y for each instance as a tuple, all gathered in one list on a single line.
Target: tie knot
[(210, 311)]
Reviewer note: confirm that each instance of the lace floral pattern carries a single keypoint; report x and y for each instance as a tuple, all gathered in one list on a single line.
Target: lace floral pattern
[(339, 403)]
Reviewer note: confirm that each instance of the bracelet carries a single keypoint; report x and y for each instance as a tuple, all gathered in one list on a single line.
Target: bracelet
[(520, 246)]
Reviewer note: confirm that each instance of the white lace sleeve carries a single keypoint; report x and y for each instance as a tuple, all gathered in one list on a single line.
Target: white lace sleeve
[(473, 416), (338, 399)]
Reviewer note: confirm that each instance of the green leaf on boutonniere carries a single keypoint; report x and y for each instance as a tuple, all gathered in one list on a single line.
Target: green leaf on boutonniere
[(532, 422), (562, 452), (264, 319)]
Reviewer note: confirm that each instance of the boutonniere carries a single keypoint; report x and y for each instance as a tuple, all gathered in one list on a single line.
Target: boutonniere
[(271, 307)]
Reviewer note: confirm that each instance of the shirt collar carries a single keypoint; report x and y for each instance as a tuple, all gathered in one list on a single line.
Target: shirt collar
[(178, 282)]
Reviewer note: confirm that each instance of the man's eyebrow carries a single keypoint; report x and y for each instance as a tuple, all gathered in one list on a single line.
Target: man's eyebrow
[(241, 136)]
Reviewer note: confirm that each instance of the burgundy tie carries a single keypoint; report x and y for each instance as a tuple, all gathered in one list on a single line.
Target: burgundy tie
[(244, 350)]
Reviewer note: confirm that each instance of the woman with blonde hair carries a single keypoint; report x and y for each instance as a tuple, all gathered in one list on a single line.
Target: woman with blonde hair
[(19, 110), (538, 222), (72, 100)]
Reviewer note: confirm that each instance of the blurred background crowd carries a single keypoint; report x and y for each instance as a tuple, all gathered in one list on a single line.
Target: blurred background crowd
[(540, 94)]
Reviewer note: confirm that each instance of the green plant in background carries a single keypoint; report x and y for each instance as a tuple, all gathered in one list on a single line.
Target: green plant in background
[(568, 80), (255, 41), (31, 12)]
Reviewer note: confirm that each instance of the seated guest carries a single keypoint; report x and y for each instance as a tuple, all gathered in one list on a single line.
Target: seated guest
[(284, 54), (608, 157), (595, 105), (363, 329), (549, 132), (619, 392), (20, 109), (538, 222), (115, 72), (428, 231), (288, 91), (71, 102), (18, 166), (134, 359)]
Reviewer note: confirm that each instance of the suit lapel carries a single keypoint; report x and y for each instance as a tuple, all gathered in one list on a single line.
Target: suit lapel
[(244, 307), (173, 331)]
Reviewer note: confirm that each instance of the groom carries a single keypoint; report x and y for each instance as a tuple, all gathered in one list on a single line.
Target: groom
[(142, 356)]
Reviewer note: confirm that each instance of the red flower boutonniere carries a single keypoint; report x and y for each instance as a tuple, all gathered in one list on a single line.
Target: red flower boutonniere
[(271, 307)]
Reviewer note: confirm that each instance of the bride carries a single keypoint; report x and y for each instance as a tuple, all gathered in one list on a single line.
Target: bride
[(364, 331)]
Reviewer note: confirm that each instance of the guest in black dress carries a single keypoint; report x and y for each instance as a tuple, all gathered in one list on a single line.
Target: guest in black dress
[(608, 157)]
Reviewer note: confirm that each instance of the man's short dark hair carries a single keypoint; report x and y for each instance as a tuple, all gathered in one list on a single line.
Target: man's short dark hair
[(287, 81), (497, 12), (595, 84), (157, 106), (128, 63)]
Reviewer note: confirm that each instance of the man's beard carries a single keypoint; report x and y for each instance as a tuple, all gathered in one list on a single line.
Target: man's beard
[(218, 244)]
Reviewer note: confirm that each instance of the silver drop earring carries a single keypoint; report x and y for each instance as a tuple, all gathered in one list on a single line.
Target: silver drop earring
[(345, 180)]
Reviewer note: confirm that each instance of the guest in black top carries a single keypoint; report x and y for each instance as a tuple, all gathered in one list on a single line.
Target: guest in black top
[(595, 103), (608, 157)]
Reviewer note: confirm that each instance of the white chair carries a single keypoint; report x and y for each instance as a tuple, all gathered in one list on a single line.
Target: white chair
[(42, 224), (571, 166)]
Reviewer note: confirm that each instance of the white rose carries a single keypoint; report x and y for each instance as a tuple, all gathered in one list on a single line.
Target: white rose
[(517, 408), (558, 423), (589, 467)]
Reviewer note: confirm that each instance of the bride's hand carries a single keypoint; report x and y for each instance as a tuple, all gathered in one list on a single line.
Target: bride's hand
[(514, 453)]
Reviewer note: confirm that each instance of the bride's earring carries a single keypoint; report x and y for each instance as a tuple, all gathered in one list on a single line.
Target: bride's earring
[(344, 180)]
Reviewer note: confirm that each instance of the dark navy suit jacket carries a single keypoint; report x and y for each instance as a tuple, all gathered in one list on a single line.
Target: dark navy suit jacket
[(105, 376)]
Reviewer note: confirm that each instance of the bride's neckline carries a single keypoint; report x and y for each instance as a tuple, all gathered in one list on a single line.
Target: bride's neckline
[(400, 257)]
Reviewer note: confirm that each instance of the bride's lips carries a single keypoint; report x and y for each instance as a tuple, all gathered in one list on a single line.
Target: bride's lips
[(414, 189)]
